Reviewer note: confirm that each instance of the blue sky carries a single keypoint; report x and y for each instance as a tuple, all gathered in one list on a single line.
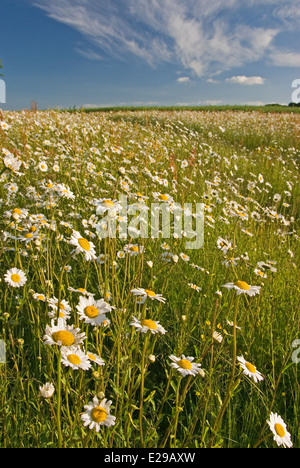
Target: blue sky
[(66, 53)]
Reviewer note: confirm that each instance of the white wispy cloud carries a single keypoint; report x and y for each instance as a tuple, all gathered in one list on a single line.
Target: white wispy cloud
[(246, 80), (88, 53), (286, 59), (207, 37), (183, 79)]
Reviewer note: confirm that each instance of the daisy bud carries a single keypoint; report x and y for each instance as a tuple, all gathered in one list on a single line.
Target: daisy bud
[(175, 258), (151, 358), (47, 390)]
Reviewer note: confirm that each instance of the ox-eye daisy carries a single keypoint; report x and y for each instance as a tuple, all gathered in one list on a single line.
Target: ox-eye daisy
[(185, 365), (146, 325), (63, 334), (92, 311), (64, 308), (94, 358), (250, 370), (75, 358), (98, 414), (278, 427), (15, 278), (148, 293), (83, 245), (241, 287)]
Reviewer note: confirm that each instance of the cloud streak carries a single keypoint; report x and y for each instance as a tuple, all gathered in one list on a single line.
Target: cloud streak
[(205, 37), (246, 80)]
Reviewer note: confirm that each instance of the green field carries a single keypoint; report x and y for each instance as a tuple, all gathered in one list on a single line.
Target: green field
[(71, 312)]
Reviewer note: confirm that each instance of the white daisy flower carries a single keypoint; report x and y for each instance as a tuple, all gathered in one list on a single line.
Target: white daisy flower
[(11, 162), (133, 250), (184, 257), (64, 308), (15, 278), (39, 297), (145, 293), (94, 358), (82, 291), (83, 246), (98, 414), (63, 334), (111, 207), (146, 325), (185, 365), (217, 336), (241, 287), (279, 429), (93, 311), (4, 125), (43, 166), (250, 370), (224, 244), (195, 287), (75, 358)]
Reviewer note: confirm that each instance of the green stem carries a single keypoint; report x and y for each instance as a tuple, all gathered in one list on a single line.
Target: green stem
[(58, 410), (231, 381), (142, 391)]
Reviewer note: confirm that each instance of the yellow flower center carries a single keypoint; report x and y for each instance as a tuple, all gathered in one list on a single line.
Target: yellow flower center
[(91, 357), (17, 211), (108, 203), (242, 285), (150, 293), (279, 430), (184, 364), (251, 368), (16, 278), (65, 337), (134, 248), (32, 229), (29, 235), (98, 414), (74, 359), (149, 324), (163, 197), (82, 290), (84, 244), (91, 311)]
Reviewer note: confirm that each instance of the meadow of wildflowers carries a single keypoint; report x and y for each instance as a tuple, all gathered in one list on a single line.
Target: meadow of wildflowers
[(136, 339)]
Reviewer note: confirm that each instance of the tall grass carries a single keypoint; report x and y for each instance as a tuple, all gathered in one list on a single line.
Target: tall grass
[(245, 169)]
